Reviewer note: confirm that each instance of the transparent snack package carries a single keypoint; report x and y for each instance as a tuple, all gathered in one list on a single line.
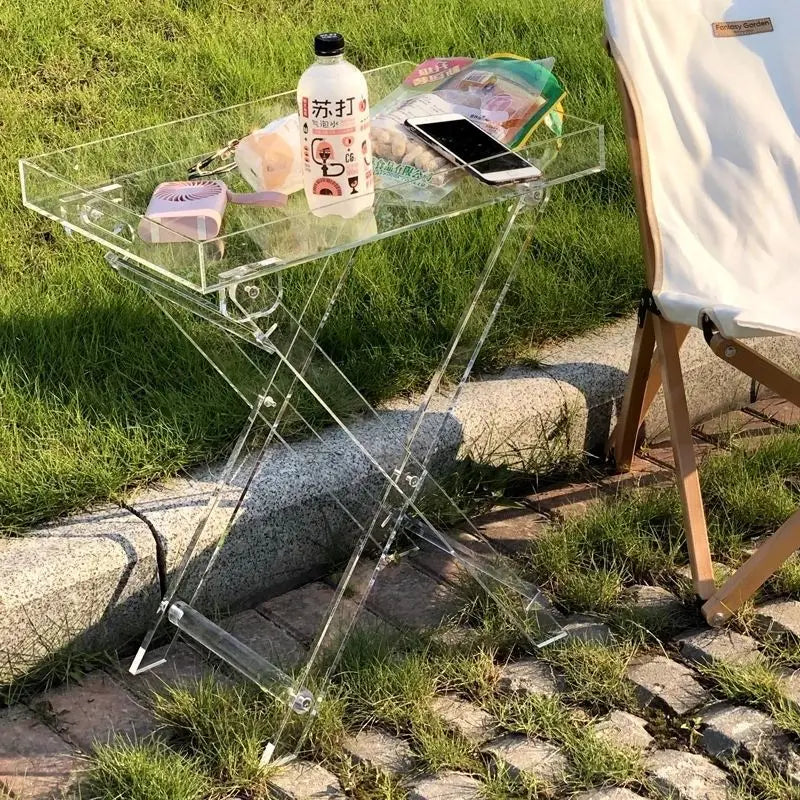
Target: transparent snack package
[(270, 158), (505, 95)]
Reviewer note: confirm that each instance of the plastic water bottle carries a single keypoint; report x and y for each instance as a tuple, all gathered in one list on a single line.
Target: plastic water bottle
[(334, 125)]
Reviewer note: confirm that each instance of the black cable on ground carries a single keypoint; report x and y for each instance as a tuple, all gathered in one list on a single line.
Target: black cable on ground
[(161, 552)]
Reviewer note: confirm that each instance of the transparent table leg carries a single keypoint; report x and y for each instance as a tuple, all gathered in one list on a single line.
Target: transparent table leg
[(242, 658), (237, 462), (397, 508), (396, 458)]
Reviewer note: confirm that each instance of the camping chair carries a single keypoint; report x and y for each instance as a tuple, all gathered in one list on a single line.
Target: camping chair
[(711, 102)]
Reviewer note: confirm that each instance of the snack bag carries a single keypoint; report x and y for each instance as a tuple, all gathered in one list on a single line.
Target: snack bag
[(505, 95), (269, 158)]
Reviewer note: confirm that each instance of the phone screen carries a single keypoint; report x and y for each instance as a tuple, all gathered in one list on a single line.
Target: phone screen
[(469, 144)]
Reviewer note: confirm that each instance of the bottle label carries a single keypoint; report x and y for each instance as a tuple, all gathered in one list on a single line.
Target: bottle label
[(337, 154)]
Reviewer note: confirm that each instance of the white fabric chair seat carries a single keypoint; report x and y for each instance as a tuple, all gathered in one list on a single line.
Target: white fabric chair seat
[(742, 317), (720, 121)]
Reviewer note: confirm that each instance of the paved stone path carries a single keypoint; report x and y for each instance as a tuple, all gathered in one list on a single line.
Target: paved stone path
[(43, 743)]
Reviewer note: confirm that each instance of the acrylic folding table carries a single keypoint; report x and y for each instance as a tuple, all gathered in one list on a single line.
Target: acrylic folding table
[(268, 285)]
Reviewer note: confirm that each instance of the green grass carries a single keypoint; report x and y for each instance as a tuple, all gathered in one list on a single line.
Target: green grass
[(388, 680), (593, 761), (638, 537), (588, 561), (594, 674), (143, 772), (757, 781), (758, 685), (97, 391), (26, 673)]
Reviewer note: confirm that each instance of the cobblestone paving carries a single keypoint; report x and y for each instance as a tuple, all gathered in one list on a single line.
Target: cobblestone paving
[(43, 743)]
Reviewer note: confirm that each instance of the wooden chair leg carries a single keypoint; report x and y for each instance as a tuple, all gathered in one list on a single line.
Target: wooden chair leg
[(685, 463), (744, 583), (654, 381), (623, 439), (750, 362)]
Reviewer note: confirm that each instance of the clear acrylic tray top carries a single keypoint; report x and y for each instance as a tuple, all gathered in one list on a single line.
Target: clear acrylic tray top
[(101, 190)]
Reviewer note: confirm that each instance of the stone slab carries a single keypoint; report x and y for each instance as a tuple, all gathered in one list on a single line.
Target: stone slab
[(753, 434), (664, 456), (303, 780), (781, 616), (660, 680), (722, 426), (266, 638), (676, 775), (655, 606), (184, 667), (83, 583), (790, 684), (446, 786), (95, 711), (576, 499), (684, 574), (441, 566), (738, 429), (512, 530), (732, 731), (531, 757), (405, 596), (708, 645), (567, 502), (616, 793), (526, 677), (302, 612), (624, 730), (35, 763), (380, 751), (473, 723), (777, 410), (454, 635)]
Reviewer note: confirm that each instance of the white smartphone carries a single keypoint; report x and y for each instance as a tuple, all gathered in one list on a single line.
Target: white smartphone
[(463, 143)]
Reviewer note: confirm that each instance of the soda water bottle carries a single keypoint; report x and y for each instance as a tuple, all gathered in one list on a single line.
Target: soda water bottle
[(334, 126)]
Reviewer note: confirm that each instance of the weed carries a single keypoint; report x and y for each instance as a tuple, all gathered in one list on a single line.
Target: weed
[(749, 493), (758, 684), (364, 783), (143, 772), (593, 761), (649, 625), (754, 780), (391, 691), (438, 748), (594, 674), (225, 728), (501, 783), (635, 538), (786, 581), (63, 666)]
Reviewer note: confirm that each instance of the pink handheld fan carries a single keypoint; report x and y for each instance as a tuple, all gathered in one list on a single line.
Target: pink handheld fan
[(181, 210)]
